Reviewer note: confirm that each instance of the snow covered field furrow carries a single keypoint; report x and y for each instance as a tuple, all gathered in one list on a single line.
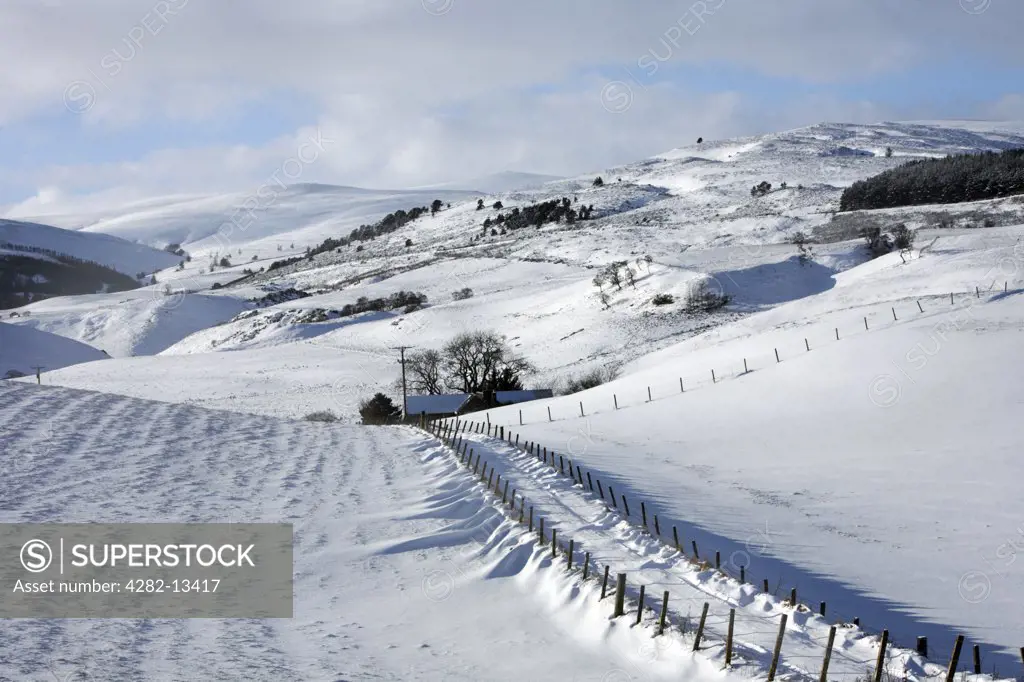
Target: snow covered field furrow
[(577, 514), (404, 568)]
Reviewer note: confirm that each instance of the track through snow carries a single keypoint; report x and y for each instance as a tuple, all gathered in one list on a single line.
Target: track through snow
[(404, 568)]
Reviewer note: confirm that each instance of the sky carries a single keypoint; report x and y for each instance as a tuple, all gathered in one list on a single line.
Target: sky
[(109, 100)]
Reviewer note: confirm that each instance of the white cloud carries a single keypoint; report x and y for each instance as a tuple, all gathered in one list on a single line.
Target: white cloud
[(382, 77)]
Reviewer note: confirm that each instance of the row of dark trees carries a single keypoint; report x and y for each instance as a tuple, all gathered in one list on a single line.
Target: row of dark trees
[(25, 278), (553, 211), (389, 223), (953, 179), (471, 362)]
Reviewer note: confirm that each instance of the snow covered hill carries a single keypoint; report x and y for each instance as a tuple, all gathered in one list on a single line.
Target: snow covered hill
[(23, 349), (257, 222), (141, 322), (879, 469), (124, 256)]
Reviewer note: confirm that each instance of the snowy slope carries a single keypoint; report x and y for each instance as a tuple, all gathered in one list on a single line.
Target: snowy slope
[(404, 568), (893, 447), (141, 322), (23, 349), (118, 254), (303, 215)]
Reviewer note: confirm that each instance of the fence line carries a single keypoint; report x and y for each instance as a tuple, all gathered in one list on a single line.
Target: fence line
[(749, 364), (448, 431)]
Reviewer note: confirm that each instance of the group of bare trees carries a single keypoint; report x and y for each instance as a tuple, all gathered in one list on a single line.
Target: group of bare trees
[(471, 362)]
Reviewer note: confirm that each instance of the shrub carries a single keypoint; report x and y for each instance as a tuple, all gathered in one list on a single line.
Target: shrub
[(408, 243), (462, 294), (703, 297), (598, 181), (321, 416), (761, 189), (591, 379), (663, 299), (379, 410)]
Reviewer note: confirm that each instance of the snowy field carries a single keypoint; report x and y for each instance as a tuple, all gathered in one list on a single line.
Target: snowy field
[(402, 567), (881, 468)]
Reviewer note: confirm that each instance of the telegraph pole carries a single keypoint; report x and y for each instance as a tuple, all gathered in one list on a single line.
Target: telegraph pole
[(405, 399)]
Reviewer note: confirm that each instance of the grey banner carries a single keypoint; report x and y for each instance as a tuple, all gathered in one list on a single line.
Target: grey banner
[(146, 570)]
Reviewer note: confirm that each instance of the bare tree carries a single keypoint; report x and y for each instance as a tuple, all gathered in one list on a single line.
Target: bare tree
[(613, 276), (631, 277), (424, 370), (473, 360)]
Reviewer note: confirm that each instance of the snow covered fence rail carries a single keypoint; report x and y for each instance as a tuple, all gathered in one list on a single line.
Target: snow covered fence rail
[(887, 317), (740, 624)]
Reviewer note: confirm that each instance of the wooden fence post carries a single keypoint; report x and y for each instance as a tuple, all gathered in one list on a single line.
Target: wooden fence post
[(554, 543), (581, 409), (615, 399), (792, 597), (828, 654), (590, 482), (586, 565), (837, 333), (549, 413), (745, 370), (865, 323), (919, 306), (766, 585), (643, 512), (625, 504), (620, 595), (657, 527), (640, 605), (807, 345), (743, 575), (955, 658), (540, 525), (568, 556), (777, 356), (778, 649), (880, 663), (504, 493), (821, 609), (977, 659), (718, 560), (728, 638), (675, 536), (531, 518), (604, 583), (648, 394), (894, 318), (561, 465), (922, 646), (611, 493), (600, 489), (713, 379), (681, 389), (700, 628), (579, 474), (696, 554)]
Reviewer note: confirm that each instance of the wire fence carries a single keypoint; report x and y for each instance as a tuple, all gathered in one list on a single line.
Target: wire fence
[(725, 628), (897, 314)]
